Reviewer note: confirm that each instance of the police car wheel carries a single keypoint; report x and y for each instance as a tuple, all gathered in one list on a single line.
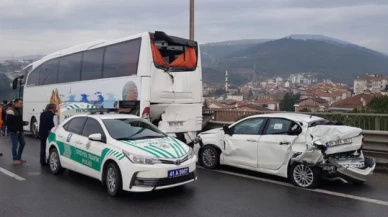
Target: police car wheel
[(113, 180), (55, 163)]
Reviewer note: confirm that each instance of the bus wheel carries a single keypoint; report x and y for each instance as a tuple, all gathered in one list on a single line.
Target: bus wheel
[(34, 128)]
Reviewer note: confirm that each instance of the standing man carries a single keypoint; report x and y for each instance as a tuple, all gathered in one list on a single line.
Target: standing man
[(15, 128), (48, 120)]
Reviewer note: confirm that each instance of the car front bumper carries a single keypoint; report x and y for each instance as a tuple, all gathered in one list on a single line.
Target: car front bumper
[(144, 178)]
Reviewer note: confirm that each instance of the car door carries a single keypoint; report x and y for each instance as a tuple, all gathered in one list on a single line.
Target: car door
[(275, 145), (240, 148), (67, 139), (90, 151)]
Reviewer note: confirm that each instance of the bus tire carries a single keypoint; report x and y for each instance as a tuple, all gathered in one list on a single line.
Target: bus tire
[(34, 128)]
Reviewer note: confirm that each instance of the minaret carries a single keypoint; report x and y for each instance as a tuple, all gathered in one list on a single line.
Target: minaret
[(226, 81)]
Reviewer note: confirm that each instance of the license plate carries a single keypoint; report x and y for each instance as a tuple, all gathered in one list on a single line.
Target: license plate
[(178, 172), (176, 124)]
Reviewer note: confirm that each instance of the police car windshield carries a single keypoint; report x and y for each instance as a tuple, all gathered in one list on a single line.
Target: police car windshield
[(132, 129)]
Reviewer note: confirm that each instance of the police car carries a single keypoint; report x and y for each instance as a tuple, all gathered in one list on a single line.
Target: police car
[(125, 152)]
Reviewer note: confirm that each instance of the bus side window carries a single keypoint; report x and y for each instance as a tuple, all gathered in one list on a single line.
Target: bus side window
[(70, 68), (49, 72), (121, 59), (33, 77), (92, 64)]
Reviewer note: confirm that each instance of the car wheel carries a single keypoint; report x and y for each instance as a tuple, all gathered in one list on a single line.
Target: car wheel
[(209, 157), (34, 128), (305, 176), (113, 180), (55, 163)]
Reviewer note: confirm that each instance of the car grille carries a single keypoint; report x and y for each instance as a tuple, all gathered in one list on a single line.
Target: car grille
[(149, 182), (174, 161)]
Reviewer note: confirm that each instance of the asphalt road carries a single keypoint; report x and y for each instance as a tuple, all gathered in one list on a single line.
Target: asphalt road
[(229, 192)]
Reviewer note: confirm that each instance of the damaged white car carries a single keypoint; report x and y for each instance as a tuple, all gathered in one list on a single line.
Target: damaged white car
[(299, 147)]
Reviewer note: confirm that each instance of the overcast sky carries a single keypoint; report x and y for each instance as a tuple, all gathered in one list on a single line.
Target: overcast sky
[(30, 27)]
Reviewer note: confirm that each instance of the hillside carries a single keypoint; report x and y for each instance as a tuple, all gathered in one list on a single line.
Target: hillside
[(212, 52), (328, 57)]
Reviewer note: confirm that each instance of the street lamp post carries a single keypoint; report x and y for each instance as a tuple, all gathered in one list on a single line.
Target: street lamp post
[(191, 19)]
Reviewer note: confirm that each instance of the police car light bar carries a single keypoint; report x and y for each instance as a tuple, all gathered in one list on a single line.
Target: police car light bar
[(102, 110)]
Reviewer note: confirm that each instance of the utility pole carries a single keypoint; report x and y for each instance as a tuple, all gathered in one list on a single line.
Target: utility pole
[(191, 19)]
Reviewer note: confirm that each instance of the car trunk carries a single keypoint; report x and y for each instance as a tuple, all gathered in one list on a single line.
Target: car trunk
[(338, 139)]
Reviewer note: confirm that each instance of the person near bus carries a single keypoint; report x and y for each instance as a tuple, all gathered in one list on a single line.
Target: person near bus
[(3, 116), (15, 122), (48, 120), (9, 106)]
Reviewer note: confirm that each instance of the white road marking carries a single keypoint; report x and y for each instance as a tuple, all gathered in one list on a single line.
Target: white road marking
[(332, 193), (11, 174)]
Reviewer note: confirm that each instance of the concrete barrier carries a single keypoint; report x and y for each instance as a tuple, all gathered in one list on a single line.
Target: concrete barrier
[(375, 142)]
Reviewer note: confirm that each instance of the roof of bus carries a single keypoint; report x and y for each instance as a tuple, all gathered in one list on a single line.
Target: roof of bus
[(86, 46)]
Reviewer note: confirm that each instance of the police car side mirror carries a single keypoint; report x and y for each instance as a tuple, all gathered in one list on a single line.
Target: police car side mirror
[(96, 137)]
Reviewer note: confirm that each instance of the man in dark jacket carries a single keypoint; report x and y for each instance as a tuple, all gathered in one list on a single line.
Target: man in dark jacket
[(46, 123), (15, 128)]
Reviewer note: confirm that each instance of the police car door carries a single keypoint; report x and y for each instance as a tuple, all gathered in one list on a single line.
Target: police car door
[(67, 141), (90, 164)]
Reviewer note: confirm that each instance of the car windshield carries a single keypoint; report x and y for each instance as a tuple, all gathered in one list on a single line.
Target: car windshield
[(132, 129)]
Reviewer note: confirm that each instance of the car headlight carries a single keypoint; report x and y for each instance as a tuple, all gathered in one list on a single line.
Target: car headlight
[(138, 159), (191, 153)]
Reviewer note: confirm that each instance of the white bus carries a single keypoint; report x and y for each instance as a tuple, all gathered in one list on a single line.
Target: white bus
[(158, 76)]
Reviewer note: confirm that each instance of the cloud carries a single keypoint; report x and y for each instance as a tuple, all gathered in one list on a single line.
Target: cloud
[(44, 26)]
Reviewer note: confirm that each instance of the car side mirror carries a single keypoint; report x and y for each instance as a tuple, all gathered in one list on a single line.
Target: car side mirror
[(227, 130), (96, 137), (295, 132)]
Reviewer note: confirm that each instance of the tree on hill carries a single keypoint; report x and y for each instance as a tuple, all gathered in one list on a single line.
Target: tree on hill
[(288, 101), (378, 104)]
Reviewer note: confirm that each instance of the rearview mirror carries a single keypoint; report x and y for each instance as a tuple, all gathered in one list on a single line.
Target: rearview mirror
[(15, 83), (96, 137), (227, 130)]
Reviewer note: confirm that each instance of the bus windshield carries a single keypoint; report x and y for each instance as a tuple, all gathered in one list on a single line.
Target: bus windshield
[(172, 53)]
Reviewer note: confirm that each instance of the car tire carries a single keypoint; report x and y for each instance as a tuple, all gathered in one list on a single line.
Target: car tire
[(209, 157), (54, 162), (113, 180), (305, 176)]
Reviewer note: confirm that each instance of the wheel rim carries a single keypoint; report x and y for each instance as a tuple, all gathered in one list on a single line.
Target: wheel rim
[(54, 161), (34, 128), (303, 175), (111, 179), (208, 157)]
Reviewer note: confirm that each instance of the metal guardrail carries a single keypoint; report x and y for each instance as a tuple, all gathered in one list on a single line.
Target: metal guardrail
[(362, 120), (375, 142)]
